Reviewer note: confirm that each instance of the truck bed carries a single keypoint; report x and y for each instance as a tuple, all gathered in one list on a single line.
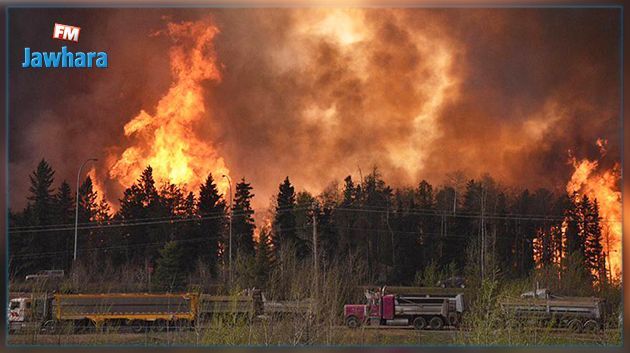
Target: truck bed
[(78, 306), (566, 306)]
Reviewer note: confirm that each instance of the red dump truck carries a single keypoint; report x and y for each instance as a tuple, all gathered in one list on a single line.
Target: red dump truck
[(422, 311)]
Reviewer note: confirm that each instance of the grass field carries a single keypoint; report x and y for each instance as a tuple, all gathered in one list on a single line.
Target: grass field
[(262, 336)]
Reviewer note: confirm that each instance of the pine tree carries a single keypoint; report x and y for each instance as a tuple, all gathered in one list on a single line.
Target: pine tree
[(148, 191), (427, 223), (585, 219), (306, 206), (284, 223), (425, 195), (64, 204), (344, 219), (88, 205), (263, 258), (41, 203), (42, 192), (88, 213), (328, 236), (140, 202), (169, 273), (448, 248), (470, 248), (64, 214), (572, 234), (594, 252), (212, 210), (578, 225), (349, 192), (377, 244), (407, 229), (189, 232), (243, 222), (172, 200)]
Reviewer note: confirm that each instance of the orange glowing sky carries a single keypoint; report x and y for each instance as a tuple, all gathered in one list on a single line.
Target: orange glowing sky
[(321, 93)]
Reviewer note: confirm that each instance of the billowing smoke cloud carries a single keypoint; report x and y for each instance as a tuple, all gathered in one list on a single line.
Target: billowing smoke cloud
[(316, 94)]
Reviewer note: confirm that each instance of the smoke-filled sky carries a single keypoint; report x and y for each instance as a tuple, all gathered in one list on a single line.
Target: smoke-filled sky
[(317, 94)]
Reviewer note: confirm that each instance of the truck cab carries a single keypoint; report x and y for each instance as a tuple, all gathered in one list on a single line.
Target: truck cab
[(419, 311), (356, 314), (28, 312), (19, 310)]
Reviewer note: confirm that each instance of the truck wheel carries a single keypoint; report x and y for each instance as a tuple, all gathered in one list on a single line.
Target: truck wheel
[(352, 322), (436, 323), (419, 323), (575, 325), (591, 326), (49, 327), (137, 326), (159, 325), (84, 326), (182, 325)]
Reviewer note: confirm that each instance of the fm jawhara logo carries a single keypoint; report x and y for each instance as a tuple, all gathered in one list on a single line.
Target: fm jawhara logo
[(64, 58)]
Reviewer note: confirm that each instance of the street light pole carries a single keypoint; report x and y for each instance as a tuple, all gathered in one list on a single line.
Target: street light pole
[(230, 232), (76, 208)]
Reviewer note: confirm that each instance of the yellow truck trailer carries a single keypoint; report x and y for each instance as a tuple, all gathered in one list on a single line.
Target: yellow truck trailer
[(78, 312), (136, 311), (140, 311)]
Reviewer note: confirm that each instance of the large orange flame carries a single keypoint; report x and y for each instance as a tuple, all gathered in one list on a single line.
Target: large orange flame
[(603, 185), (167, 140)]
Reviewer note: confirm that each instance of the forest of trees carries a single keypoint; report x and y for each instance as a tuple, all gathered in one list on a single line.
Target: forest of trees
[(473, 228)]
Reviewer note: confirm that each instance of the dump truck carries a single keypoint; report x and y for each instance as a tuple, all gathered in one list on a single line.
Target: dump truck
[(420, 311), (81, 312), (138, 312), (542, 308)]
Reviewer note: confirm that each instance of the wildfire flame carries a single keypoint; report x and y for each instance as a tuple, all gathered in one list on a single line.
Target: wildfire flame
[(588, 180), (167, 140)]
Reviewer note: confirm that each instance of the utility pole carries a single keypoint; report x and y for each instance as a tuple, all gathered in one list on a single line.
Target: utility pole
[(76, 208), (483, 234), (391, 234), (230, 231), (442, 234), (607, 256), (454, 200), (315, 257)]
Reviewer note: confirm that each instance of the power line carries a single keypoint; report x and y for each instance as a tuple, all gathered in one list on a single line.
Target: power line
[(134, 245), (125, 223), (510, 216), (166, 218)]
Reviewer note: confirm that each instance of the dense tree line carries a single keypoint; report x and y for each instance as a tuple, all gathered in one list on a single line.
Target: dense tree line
[(473, 228)]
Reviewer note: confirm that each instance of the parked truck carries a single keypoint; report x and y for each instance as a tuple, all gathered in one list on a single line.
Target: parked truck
[(80, 312), (422, 311), (138, 312), (542, 308)]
